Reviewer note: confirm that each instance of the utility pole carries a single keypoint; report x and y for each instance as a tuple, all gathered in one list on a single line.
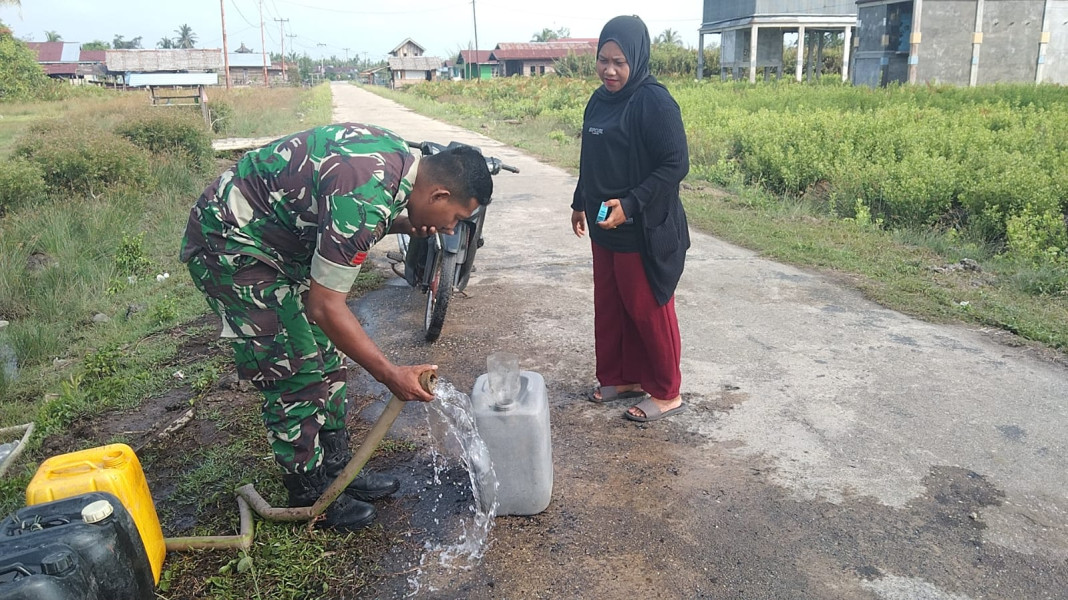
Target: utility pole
[(322, 63), (263, 48), (226, 54), (282, 36), (475, 19)]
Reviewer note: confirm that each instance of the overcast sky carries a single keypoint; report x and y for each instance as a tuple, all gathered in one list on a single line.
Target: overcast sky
[(327, 27)]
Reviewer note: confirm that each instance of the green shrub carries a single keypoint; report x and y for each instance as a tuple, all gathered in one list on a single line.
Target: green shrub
[(82, 159), (222, 116), (1038, 235), (21, 78), (21, 182), (170, 131)]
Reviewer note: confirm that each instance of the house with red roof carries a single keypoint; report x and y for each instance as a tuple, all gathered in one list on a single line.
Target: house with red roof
[(537, 58), (66, 60), (475, 64)]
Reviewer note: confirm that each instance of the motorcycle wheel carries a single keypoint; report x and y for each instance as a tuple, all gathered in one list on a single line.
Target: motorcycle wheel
[(438, 295)]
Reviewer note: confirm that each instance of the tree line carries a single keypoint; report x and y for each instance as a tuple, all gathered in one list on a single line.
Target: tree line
[(184, 39)]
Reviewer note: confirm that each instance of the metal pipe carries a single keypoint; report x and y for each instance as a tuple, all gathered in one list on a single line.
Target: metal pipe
[(27, 430), (242, 541)]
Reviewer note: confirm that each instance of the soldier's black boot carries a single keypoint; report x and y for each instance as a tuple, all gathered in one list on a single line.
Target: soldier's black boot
[(343, 514), (367, 486)]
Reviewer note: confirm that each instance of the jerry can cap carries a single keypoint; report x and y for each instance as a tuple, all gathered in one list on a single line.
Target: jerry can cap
[(97, 511)]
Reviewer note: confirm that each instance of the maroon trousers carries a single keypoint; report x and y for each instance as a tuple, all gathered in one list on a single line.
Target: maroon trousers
[(637, 340)]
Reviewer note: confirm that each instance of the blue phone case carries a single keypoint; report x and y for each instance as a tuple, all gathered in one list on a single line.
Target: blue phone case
[(603, 213)]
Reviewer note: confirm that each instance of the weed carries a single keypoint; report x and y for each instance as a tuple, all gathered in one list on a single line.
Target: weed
[(165, 310), (21, 183), (102, 363), (203, 380), (130, 256)]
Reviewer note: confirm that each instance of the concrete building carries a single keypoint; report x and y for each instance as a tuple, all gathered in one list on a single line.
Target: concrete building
[(961, 42), (752, 33)]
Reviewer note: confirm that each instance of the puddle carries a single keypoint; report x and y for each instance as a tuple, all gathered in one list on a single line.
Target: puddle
[(460, 472)]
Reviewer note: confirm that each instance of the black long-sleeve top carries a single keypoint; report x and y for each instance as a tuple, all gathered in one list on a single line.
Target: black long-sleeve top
[(635, 149)]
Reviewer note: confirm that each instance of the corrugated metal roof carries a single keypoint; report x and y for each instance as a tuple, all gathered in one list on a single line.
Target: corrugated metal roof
[(415, 63), (474, 56), (55, 51), (541, 50), (93, 56)]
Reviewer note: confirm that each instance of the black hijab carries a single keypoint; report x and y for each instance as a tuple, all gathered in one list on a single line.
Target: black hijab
[(632, 36)]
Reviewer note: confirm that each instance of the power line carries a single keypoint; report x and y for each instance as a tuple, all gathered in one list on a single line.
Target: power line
[(243, 17)]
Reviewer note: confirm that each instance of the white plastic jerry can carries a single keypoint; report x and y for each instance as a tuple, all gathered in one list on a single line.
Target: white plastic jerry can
[(517, 437)]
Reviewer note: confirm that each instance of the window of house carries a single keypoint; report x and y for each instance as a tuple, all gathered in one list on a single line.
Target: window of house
[(533, 70)]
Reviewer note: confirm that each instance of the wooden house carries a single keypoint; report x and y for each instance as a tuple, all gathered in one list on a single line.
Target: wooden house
[(476, 64), (537, 58)]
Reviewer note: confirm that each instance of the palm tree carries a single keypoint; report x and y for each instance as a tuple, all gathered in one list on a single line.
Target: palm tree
[(669, 37), (186, 38), (52, 36), (546, 35), (165, 43), (121, 44)]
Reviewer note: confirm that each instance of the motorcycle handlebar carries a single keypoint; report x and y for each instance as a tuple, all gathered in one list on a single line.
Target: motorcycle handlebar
[(494, 164)]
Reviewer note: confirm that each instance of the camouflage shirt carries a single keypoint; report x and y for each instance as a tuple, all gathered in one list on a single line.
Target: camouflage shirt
[(310, 205)]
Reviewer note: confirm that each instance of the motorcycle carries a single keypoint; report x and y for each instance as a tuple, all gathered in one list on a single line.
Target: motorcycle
[(441, 264)]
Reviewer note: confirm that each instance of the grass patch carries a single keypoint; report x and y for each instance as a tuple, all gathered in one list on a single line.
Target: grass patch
[(255, 112)]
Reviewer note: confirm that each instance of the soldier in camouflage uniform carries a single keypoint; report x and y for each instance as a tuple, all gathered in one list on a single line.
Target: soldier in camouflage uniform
[(275, 244)]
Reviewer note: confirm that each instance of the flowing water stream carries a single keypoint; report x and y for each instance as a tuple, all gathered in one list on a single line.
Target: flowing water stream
[(455, 445)]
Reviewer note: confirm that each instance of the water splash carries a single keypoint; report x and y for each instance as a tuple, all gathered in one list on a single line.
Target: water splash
[(9, 365), (454, 437)]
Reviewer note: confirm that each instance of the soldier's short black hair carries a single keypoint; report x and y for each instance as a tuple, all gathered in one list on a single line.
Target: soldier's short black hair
[(462, 170)]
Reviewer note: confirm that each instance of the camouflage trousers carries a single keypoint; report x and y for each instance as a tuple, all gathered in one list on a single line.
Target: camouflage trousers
[(287, 357)]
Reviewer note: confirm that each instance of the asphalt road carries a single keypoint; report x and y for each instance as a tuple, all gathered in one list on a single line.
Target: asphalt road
[(833, 448)]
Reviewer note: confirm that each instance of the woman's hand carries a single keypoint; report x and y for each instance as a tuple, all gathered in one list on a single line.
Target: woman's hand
[(615, 216), (578, 222)]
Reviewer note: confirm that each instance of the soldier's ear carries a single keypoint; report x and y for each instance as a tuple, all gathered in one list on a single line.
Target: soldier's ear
[(440, 193)]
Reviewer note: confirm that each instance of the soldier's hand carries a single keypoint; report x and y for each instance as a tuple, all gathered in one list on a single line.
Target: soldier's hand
[(403, 381), (403, 224)]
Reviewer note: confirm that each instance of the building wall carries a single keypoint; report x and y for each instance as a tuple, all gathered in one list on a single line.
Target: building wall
[(1056, 68), (946, 43), (1011, 33), (524, 67), (408, 49), (735, 46)]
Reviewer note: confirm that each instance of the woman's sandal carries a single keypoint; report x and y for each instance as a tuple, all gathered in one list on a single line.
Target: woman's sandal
[(651, 411), (611, 393)]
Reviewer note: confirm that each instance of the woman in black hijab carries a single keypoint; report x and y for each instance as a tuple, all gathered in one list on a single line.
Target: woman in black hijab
[(634, 156)]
